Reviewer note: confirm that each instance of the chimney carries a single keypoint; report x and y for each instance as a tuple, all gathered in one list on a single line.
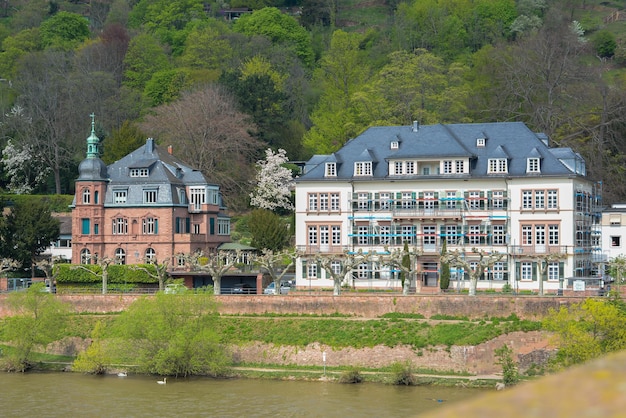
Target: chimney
[(169, 149), (416, 126), (150, 144)]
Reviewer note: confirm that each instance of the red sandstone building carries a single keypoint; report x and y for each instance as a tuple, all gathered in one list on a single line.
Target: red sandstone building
[(149, 205)]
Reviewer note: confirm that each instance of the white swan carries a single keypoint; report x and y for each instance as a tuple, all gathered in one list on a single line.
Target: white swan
[(162, 382), (122, 374)]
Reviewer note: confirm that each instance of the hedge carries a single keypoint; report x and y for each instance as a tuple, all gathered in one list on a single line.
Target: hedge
[(73, 273), (57, 202)]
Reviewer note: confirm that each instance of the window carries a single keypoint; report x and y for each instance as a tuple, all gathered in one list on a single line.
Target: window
[(540, 199), (397, 167), (553, 199), (451, 200), (311, 270), (362, 271), (540, 234), (615, 220), (410, 167), (324, 235), (385, 231), (324, 202), (334, 202), (480, 142), (532, 165), (331, 169), (312, 239), (96, 229), (313, 202), (527, 270), (182, 196), (474, 200), (394, 144), (86, 196), (149, 226), (85, 226), (363, 168), (223, 226), (407, 200), (197, 197), (459, 166), (553, 271), (120, 226), (429, 201), (527, 234), (385, 199), (183, 225), (497, 165), (362, 232), (553, 234), (474, 234), (139, 172), (150, 196), (426, 171), (96, 197), (335, 266), (119, 196), (363, 201), (497, 198), (447, 167), (498, 235), (451, 235), (180, 260), (120, 256), (527, 199), (85, 256), (498, 270), (150, 255), (336, 235), (407, 234), (430, 234), (616, 241)]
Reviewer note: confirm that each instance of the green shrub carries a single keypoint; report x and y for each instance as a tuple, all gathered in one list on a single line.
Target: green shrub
[(352, 375), (402, 374)]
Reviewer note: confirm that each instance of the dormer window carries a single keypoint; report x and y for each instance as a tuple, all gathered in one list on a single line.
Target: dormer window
[(480, 142), (139, 172), (532, 165), (331, 170), (363, 168), (395, 144), (498, 165)]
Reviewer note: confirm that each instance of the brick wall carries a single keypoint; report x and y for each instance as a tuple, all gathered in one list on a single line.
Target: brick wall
[(525, 307)]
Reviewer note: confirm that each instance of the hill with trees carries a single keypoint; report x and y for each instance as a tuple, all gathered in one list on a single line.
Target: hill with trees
[(300, 75)]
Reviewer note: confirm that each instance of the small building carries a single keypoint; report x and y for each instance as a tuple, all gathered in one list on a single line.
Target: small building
[(148, 206), (61, 249), (614, 231)]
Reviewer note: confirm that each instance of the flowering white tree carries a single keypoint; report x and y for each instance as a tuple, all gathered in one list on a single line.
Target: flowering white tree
[(22, 168), (274, 182)]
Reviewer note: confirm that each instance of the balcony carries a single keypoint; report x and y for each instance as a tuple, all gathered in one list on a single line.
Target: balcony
[(322, 248), (532, 250)]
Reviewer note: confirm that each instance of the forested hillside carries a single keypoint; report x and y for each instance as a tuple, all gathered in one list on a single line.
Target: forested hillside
[(301, 75)]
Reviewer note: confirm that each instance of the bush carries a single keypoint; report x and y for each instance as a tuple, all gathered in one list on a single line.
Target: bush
[(402, 374), (504, 356), (352, 375)]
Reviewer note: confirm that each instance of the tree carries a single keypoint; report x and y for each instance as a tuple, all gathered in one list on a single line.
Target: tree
[(23, 167), (617, 270), (122, 141), (274, 182), (604, 44), (404, 260), (27, 230), (95, 358), (338, 266), (210, 134), (281, 28), (144, 58), (587, 330), (277, 264), (103, 272), (484, 261), (155, 270), (39, 319), (444, 268), (173, 335), (216, 264), (504, 356), (64, 30), (544, 262), (268, 230)]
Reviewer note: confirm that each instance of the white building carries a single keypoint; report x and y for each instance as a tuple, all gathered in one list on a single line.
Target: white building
[(497, 187), (614, 231)]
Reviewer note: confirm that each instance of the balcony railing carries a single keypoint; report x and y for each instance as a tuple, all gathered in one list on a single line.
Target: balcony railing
[(322, 248), (537, 249)]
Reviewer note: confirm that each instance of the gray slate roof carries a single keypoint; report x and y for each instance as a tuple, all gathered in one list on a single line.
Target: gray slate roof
[(511, 140)]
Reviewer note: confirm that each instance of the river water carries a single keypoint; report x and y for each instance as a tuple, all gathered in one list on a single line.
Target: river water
[(71, 395)]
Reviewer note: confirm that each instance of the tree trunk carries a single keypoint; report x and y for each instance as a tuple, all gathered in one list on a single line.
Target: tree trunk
[(473, 285), (217, 285), (337, 287), (105, 280)]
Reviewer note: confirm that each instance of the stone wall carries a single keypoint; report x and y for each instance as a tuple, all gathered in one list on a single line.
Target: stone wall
[(367, 306)]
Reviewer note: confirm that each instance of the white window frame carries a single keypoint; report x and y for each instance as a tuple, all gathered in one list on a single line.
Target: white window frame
[(553, 199), (149, 225), (363, 168), (223, 226), (331, 170), (335, 202), (498, 166), (139, 172), (150, 195), (526, 270), (532, 165)]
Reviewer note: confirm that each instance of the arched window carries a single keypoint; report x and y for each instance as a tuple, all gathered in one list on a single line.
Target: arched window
[(85, 256), (86, 196), (120, 256), (150, 255)]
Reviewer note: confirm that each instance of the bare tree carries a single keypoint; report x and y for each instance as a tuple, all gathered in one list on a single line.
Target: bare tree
[(484, 260), (104, 263), (277, 264), (404, 260), (209, 133), (158, 270), (216, 264), (544, 261), (338, 266)]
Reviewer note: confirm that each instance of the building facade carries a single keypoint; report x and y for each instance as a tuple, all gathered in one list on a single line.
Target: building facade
[(614, 231), (496, 187), (148, 206)]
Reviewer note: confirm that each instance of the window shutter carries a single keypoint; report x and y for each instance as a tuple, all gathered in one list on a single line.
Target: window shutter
[(534, 271), (518, 270), (304, 269), (156, 226), (561, 270), (177, 225), (187, 225), (212, 226)]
